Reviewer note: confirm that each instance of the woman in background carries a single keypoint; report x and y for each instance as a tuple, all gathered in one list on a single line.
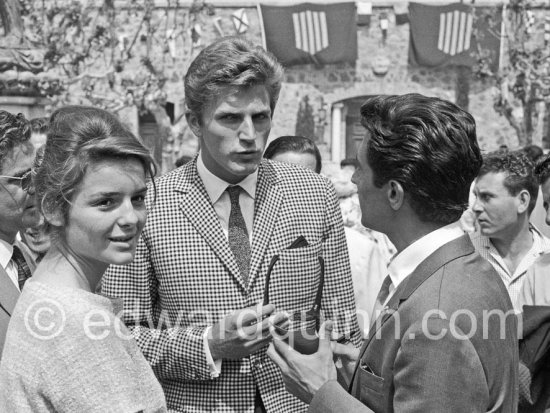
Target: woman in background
[(66, 349)]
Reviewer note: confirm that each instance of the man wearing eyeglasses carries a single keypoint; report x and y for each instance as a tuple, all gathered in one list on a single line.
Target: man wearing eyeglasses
[(17, 211)]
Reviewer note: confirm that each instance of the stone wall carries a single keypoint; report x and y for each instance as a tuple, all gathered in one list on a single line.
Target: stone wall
[(325, 86)]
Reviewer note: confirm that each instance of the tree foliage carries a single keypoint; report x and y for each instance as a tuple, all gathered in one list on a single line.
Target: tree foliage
[(523, 79), (115, 60)]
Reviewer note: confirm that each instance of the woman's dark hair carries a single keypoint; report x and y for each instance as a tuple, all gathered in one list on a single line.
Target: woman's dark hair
[(79, 136)]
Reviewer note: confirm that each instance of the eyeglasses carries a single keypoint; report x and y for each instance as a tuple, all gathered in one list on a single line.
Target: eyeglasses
[(304, 324), (25, 180)]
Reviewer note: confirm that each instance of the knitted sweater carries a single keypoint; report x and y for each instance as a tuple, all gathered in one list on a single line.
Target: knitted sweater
[(67, 351)]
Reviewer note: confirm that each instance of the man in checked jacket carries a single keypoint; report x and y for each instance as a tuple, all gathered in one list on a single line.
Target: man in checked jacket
[(191, 295)]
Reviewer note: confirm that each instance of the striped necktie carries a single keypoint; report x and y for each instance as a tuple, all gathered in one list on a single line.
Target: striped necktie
[(238, 234), (23, 270)]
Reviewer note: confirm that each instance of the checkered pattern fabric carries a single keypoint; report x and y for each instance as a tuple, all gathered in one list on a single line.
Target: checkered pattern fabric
[(512, 281), (185, 278)]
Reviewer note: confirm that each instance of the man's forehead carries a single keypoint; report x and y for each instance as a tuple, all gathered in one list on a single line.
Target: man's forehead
[(231, 96), (491, 181)]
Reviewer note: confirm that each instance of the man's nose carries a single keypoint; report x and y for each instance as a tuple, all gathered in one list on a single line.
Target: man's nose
[(477, 207), (247, 131)]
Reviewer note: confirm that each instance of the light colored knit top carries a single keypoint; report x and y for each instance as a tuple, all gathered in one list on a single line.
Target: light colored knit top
[(67, 351)]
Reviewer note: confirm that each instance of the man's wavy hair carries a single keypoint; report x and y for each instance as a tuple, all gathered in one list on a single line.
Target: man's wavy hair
[(15, 130), (429, 146), (230, 62)]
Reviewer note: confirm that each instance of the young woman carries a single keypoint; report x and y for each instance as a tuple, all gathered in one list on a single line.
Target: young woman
[(66, 349)]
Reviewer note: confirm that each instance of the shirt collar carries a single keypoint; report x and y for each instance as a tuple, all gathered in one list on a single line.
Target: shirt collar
[(541, 244), (407, 260), (215, 186), (6, 251)]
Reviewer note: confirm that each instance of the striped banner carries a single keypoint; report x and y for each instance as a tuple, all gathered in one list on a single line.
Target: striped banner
[(455, 32), (310, 31)]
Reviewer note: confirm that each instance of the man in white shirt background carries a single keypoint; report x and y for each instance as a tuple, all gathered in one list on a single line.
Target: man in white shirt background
[(17, 211), (506, 191)]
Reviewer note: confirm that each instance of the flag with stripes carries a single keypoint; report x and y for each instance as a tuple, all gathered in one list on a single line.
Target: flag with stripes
[(454, 34), (310, 33)]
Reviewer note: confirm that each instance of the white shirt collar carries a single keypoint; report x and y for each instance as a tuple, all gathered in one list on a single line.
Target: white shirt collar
[(6, 251), (215, 186), (407, 260)]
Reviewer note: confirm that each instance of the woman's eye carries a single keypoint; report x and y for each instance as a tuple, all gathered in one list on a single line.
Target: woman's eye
[(105, 203)]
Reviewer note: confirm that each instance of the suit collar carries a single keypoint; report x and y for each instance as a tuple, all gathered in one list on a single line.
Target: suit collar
[(266, 212), (404, 263), (196, 205), (450, 251), (8, 292), (456, 248)]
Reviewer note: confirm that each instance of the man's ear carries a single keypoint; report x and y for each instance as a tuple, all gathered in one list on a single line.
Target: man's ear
[(194, 122), (524, 197), (396, 195)]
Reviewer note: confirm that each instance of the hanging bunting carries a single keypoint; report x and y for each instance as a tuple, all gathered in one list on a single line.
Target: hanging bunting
[(216, 21), (364, 13), (452, 34), (310, 33), (240, 21), (401, 12)]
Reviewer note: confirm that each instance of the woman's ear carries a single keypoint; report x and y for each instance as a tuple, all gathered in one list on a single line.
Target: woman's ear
[(396, 195)]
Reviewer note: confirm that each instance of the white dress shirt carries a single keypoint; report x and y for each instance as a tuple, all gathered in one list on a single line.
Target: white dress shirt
[(404, 263), (6, 251), (512, 281), (216, 189)]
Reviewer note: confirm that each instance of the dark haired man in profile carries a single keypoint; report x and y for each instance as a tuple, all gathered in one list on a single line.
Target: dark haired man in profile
[(432, 347)]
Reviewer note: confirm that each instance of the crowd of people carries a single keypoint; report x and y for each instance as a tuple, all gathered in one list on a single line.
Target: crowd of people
[(227, 284)]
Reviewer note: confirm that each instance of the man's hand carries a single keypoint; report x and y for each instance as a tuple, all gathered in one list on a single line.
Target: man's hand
[(345, 358), (303, 374), (243, 332)]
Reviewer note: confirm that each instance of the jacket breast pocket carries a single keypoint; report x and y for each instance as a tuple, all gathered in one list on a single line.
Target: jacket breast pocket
[(370, 388), (295, 278)]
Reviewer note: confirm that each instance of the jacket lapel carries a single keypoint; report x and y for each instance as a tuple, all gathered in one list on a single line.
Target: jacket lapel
[(266, 211), (457, 248), (196, 206), (8, 292)]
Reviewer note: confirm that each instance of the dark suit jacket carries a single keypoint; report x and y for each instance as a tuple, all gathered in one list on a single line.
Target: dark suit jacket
[(9, 295), (415, 360)]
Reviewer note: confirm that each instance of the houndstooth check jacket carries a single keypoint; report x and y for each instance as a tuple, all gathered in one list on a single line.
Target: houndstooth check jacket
[(185, 278)]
